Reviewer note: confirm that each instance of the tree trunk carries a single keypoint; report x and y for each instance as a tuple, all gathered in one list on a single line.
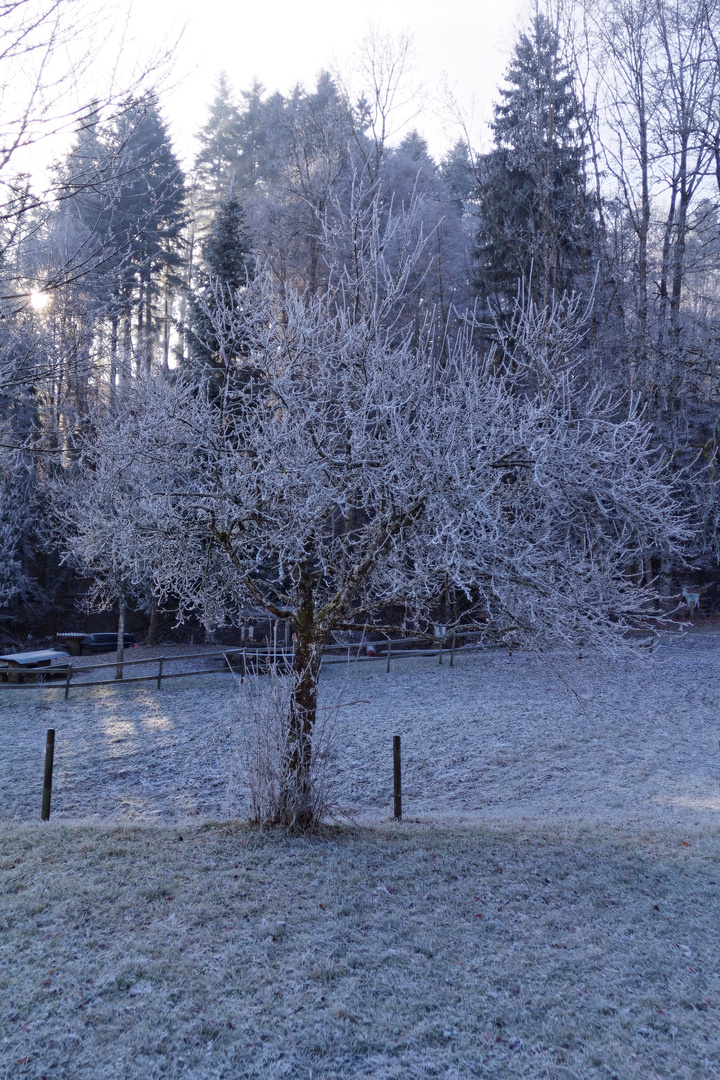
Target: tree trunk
[(126, 372), (679, 264), (141, 327), (166, 327), (298, 804), (663, 291), (120, 639), (151, 638), (148, 334), (113, 356), (647, 570), (642, 230)]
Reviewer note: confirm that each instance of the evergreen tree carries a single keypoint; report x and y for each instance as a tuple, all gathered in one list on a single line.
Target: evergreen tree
[(228, 267), (217, 165), (147, 216), (86, 176), (535, 218), (259, 158), (458, 172), (416, 148)]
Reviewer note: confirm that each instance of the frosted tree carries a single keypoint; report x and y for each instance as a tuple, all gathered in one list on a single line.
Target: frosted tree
[(355, 473), (95, 525), (228, 267), (217, 164)]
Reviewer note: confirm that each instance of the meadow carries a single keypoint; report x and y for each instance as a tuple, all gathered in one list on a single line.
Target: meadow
[(549, 906)]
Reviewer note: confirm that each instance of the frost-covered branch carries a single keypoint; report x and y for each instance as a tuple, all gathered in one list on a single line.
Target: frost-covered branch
[(349, 473)]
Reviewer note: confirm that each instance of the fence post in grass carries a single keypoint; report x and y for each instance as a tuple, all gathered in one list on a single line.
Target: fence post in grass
[(47, 779), (387, 666), (442, 640), (397, 779), (68, 676), (452, 651), (159, 678)]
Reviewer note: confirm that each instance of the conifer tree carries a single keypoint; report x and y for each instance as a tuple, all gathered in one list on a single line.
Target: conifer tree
[(458, 173), (228, 268), (535, 224), (147, 216), (217, 164)]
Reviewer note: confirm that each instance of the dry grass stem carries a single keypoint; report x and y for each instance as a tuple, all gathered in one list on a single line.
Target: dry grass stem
[(275, 793)]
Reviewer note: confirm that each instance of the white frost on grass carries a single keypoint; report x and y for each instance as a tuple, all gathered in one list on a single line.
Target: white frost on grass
[(500, 952), (569, 931), (494, 738)]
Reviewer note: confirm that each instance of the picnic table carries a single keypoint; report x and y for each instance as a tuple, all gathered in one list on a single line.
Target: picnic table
[(30, 666)]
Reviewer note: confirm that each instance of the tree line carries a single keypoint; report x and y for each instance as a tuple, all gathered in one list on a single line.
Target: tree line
[(601, 183)]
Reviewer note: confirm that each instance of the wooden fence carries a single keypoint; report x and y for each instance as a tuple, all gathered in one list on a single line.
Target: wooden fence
[(242, 661)]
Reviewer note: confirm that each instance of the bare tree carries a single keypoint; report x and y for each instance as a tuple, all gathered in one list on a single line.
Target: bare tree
[(95, 527), (649, 75), (349, 473)]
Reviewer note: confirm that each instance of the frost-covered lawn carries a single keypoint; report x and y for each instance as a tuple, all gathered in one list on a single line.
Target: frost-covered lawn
[(421, 951), (550, 909), (492, 739)]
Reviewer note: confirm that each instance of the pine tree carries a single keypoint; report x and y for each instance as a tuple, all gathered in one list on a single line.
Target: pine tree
[(228, 267), (217, 165), (147, 217), (535, 224)]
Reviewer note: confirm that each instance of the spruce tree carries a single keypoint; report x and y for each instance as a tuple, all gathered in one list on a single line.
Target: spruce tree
[(228, 267), (535, 218), (147, 217), (217, 165), (457, 170)]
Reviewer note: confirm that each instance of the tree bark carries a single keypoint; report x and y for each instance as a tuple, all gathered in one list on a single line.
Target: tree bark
[(151, 638), (297, 806), (113, 356), (297, 803), (120, 639)]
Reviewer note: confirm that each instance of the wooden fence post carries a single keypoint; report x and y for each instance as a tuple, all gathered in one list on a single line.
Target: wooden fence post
[(160, 665), (47, 779), (389, 652), (452, 651), (68, 676), (397, 779)]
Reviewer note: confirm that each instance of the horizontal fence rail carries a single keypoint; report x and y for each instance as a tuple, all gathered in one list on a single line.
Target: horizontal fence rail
[(241, 661)]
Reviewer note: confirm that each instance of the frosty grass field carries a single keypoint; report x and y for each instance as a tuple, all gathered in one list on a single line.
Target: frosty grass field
[(548, 909)]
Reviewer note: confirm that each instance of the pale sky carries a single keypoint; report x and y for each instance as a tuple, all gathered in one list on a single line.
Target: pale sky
[(464, 43)]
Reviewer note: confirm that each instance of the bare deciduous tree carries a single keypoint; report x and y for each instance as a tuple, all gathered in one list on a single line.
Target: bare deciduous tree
[(349, 472)]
